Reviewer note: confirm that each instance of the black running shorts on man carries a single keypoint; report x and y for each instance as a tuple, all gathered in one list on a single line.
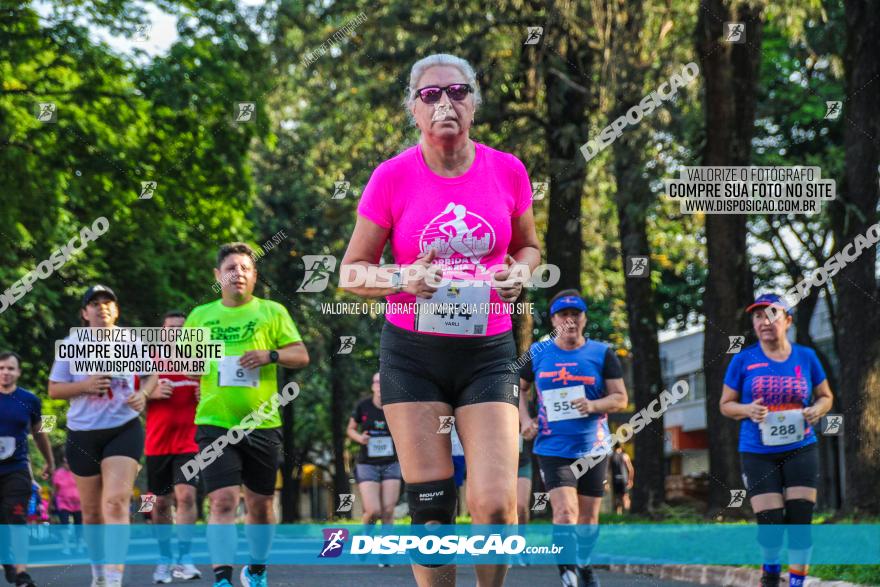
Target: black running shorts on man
[(253, 461), (165, 471), (458, 371)]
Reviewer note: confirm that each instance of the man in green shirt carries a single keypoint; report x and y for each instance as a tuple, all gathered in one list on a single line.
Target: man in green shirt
[(259, 335)]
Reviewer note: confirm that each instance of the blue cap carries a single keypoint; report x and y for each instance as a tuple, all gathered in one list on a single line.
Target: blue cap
[(568, 302), (764, 300)]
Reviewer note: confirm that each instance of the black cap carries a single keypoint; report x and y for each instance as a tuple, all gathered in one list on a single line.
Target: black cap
[(94, 291)]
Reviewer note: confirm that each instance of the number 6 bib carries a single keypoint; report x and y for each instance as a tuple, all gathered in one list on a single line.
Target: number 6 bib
[(557, 402), (784, 427), (231, 374)]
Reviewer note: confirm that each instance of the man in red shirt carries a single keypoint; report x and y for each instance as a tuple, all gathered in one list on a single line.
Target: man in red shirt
[(170, 442)]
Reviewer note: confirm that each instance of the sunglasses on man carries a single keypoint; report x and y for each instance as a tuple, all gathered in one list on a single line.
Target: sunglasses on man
[(432, 94)]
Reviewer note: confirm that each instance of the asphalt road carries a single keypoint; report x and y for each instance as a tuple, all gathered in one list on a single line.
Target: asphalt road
[(341, 576)]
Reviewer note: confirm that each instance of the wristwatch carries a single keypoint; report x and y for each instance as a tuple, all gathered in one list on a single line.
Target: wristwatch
[(273, 356)]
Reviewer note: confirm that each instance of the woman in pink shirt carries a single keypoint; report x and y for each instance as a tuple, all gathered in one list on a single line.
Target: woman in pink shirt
[(67, 501), (459, 220)]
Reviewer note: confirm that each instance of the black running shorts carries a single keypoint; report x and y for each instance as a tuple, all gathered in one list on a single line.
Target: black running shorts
[(556, 472), (85, 449), (252, 461), (772, 473), (15, 493), (164, 472), (459, 371)]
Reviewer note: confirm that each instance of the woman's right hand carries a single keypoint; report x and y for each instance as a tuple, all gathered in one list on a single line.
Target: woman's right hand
[(757, 411), (416, 276), (97, 384), (365, 438)]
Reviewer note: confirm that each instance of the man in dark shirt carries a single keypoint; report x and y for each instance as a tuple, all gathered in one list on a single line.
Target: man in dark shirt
[(20, 415)]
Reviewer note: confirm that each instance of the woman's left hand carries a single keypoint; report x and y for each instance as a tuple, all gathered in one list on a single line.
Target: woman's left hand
[(137, 401), (583, 406), (813, 414), (509, 282)]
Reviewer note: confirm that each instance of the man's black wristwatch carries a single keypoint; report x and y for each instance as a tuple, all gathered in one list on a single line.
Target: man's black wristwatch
[(273, 356)]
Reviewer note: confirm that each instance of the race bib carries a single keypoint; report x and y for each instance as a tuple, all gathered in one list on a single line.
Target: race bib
[(380, 446), (557, 402), (7, 447), (461, 307), (783, 427), (231, 374)]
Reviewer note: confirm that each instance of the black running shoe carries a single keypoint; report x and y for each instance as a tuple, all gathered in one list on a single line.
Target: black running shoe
[(770, 580), (586, 576), (9, 573), (24, 580)]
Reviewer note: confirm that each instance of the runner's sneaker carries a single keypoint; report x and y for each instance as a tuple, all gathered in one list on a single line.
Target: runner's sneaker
[(588, 579), (24, 580), (222, 583), (770, 579), (162, 574), (248, 580), (186, 570), (9, 573), (99, 581), (569, 577)]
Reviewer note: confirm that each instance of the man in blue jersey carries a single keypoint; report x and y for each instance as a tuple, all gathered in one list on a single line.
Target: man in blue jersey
[(578, 382), (20, 412), (779, 391)]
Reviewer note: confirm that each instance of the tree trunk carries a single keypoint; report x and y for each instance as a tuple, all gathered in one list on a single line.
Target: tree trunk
[(567, 129), (289, 485), (731, 74), (634, 199), (338, 422), (856, 285)]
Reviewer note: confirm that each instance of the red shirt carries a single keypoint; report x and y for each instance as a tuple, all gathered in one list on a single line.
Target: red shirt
[(171, 428)]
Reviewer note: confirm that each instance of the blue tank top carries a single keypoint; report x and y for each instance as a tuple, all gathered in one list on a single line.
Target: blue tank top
[(558, 369)]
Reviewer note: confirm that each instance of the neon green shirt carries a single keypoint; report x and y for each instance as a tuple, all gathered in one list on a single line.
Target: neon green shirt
[(257, 325)]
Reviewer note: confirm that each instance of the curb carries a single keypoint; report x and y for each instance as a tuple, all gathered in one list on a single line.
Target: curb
[(714, 575)]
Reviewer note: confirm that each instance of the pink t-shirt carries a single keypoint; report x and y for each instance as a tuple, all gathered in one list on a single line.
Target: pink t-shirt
[(66, 495), (467, 219)]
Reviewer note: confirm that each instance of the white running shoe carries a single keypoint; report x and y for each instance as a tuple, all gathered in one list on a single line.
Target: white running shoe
[(186, 571), (569, 578), (162, 574), (99, 582)]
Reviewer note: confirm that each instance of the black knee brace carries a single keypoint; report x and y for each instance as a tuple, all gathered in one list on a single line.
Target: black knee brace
[(432, 501), (799, 516), (770, 527)]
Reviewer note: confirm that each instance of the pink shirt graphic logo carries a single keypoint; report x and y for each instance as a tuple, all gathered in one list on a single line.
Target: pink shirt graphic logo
[(458, 236)]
